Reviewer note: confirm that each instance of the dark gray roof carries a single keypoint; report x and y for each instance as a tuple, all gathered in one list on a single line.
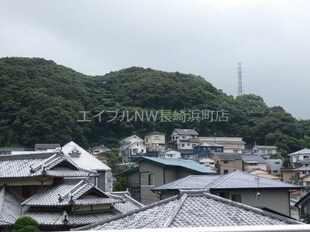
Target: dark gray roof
[(228, 156), (235, 180), (250, 158), (12, 149), (10, 208), (192, 210), (46, 146), (186, 131), (155, 133)]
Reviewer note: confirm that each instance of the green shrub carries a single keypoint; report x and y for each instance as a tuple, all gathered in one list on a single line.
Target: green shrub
[(26, 224)]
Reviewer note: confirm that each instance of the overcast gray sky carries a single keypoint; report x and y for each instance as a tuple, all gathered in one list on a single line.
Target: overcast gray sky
[(205, 37)]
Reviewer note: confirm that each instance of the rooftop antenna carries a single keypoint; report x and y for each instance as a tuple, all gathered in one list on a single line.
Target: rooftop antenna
[(239, 79), (257, 192)]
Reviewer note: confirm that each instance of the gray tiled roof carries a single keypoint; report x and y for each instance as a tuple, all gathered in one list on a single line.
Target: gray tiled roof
[(155, 133), (192, 210), (250, 158), (46, 145), (62, 194), (10, 208), (16, 166), (304, 151), (128, 204), (235, 180), (55, 216), (186, 131), (228, 156)]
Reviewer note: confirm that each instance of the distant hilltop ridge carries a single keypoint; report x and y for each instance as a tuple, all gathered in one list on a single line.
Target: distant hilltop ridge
[(43, 102)]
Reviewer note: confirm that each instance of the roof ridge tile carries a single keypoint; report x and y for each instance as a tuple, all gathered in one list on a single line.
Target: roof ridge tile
[(175, 211)]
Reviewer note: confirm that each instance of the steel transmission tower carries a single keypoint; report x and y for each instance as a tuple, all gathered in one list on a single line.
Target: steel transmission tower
[(239, 79)]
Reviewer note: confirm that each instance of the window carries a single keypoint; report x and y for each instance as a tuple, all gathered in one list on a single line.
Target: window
[(188, 144), (183, 137), (224, 195), (306, 165), (277, 162), (183, 145), (147, 179), (275, 171), (306, 157), (225, 171), (236, 197), (151, 180), (135, 150), (225, 162)]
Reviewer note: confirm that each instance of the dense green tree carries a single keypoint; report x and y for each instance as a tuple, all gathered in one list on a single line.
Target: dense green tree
[(41, 101)]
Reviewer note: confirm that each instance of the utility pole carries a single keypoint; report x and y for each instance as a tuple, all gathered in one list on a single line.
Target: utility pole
[(239, 79)]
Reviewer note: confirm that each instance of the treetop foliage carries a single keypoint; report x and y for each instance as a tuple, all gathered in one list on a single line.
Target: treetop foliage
[(41, 102)]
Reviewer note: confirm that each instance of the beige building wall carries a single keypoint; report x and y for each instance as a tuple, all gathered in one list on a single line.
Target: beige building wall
[(231, 166), (288, 176), (275, 199), (147, 196)]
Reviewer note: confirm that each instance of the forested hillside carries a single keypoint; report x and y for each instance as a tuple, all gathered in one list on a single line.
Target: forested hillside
[(41, 101)]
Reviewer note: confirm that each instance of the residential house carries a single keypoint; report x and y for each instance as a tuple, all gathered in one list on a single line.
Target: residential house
[(46, 146), (265, 151), (195, 209), (303, 206), (251, 161), (9, 150), (170, 154), (183, 140), (83, 159), (131, 147), (99, 149), (300, 161), (154, 172), (227, 162), (298, 156), (155, 142), (237, 186), (274, 166), (54, 191), (207, 162), (230, 144), (206, 149), (263, 173), (288, 175), (305, 180)]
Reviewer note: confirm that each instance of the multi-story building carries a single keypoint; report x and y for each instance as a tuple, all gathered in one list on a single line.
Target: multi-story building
[(155, 142)]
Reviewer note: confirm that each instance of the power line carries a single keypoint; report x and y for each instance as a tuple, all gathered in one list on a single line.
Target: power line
[(239, 79)]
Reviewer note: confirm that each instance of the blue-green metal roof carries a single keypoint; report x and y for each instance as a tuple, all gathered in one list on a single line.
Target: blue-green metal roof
[(186, 164)]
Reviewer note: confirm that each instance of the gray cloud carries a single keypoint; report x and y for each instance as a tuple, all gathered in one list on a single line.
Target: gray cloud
[(202, 37)]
